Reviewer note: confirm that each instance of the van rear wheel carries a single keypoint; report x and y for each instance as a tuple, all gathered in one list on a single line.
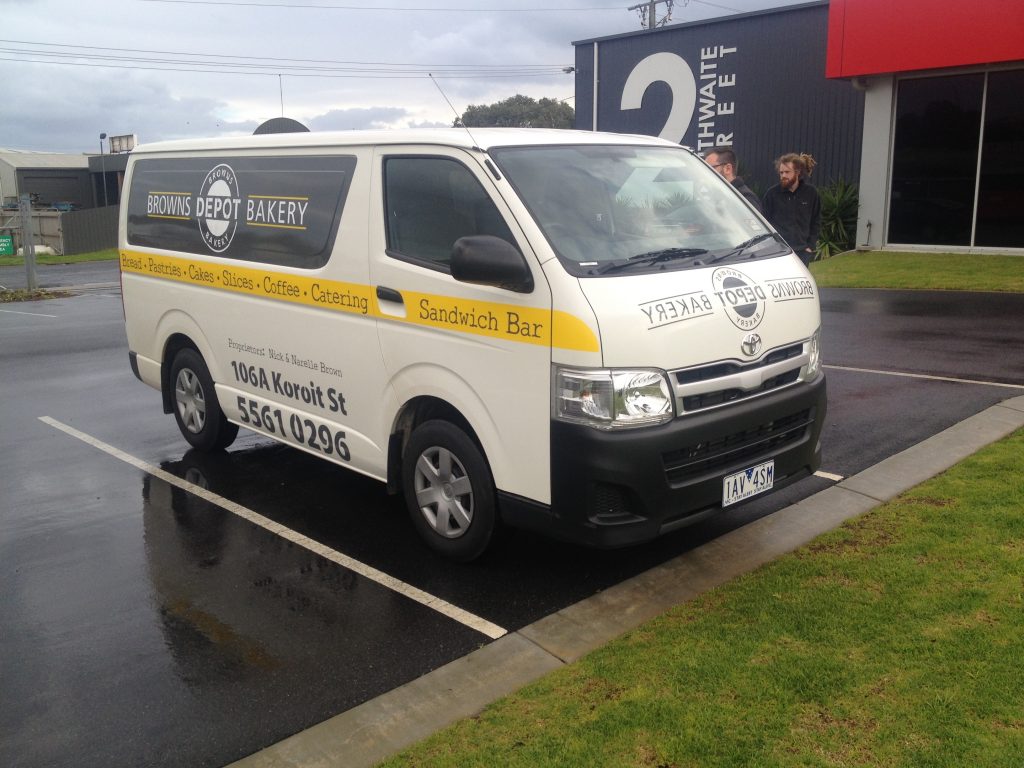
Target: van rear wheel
[(449, 491), (199, 416)]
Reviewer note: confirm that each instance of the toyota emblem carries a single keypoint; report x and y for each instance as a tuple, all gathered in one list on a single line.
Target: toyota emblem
[(751, 344)]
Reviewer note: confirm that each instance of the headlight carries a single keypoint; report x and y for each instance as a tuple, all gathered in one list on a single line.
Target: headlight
[(814, 361), (612, 398)]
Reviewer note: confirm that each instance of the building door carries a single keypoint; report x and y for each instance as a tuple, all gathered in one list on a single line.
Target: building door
[(957, 161)]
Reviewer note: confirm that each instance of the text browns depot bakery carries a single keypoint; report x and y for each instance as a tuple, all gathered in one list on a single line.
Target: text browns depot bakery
[(917, 102)]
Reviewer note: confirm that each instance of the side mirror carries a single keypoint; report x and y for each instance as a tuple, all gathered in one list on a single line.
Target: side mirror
[(489, 260)]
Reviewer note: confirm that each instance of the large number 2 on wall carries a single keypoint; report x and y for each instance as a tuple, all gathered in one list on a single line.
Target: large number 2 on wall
[(676, 73)]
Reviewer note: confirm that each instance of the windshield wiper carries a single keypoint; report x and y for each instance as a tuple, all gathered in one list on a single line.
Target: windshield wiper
[(653, 257), (743, 246)]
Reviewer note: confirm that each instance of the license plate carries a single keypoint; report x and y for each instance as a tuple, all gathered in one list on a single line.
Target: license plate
[(749, 482)]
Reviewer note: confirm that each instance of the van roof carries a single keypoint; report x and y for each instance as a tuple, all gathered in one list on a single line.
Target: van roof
[(482, 138)]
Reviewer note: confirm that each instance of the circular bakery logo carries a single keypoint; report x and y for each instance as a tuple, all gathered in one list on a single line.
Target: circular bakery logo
[(744, 300), (217, 208)]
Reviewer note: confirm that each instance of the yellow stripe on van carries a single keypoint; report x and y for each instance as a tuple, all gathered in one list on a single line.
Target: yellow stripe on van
[(573, 333), (259, 283), (511, 322), (273, 226), (483, 318)]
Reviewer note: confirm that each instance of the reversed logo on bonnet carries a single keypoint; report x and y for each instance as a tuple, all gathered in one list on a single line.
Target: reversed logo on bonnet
[(744, 299), (217, 207)]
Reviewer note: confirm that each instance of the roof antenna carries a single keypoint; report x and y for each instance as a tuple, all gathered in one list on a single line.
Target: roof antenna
[(458, 117)]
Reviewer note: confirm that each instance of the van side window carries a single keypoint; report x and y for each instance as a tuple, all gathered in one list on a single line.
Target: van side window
[(273, 210), (430, 202)]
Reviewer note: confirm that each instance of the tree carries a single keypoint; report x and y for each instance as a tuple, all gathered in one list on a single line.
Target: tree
[(519, 112)]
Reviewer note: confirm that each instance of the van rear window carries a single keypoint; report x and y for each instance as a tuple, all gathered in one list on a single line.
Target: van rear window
[(274, 210)]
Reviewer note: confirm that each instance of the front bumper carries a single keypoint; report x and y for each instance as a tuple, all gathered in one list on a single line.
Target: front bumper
[(615, 488)]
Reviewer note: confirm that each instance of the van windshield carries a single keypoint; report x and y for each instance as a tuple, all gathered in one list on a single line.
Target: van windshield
[(616, 209)]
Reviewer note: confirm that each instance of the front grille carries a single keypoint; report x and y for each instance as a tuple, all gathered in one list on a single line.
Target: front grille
[(728, 382), (738, 448), (723, 396)]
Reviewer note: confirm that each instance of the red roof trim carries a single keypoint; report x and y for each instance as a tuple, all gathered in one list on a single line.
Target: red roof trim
[(870, 37)]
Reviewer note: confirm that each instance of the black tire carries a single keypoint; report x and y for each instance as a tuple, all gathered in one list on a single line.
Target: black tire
[(199, 416), (449, 491)]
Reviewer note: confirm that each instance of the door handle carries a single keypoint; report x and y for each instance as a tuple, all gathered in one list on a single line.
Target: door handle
[(389, 294)]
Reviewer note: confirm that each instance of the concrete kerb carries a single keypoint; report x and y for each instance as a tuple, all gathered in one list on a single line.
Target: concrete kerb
[(369, 733), (89, 288), (73, 289)]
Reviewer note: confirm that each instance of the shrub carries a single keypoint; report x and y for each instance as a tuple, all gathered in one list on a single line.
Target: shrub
[(839, 204)]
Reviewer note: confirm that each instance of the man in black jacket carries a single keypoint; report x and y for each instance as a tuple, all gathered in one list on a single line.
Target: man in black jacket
[(793, 207), (724, 161)]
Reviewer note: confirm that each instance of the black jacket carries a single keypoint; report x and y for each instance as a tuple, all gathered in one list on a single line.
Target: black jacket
[(797, 215), (747, 192)]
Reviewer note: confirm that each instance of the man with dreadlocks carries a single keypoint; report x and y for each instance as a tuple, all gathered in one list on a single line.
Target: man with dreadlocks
[(793, 207)]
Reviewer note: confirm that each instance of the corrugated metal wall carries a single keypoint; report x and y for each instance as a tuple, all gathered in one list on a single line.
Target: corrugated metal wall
[(94, 229), (757, 83), (53, 185)]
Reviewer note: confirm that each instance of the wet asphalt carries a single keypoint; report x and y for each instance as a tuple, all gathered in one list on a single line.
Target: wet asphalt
[(89, 273), (143, 624)]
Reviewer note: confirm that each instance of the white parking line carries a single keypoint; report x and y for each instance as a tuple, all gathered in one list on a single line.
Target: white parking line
[(455, 613), (829, 476), (33, 314), (925, 376)]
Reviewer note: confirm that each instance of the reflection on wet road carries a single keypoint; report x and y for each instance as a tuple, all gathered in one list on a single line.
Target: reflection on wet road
[(195, 482), (145, 625)]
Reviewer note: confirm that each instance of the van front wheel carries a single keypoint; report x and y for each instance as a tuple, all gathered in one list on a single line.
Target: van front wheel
[(199, 416), (449, 491)]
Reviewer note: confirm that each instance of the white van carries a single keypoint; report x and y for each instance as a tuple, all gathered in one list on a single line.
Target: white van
[(590, 335)]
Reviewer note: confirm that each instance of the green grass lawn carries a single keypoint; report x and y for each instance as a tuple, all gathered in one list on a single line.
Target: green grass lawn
[(21, 294), (896, 640), (108, 254), (932, 271)]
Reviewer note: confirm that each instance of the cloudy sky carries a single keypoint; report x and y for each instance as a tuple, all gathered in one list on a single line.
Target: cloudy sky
[(165, 69)]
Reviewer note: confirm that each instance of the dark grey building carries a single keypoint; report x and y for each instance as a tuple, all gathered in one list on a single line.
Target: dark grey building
[(107, 173), (48, 177), (753, 82)]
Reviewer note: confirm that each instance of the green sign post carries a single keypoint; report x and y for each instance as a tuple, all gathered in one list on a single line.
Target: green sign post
[(6, 245)]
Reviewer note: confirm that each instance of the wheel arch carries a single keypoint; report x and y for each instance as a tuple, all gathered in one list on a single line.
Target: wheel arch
[(179, 331), (414, 412), (174, 344)]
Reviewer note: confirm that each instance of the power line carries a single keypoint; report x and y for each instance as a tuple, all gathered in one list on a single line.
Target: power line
[(97, 53), (330, 7), (205, 66), (715, 5), (274, 72), (368, 75)]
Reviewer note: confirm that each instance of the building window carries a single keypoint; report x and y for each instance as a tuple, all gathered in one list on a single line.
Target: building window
[(1000, 189), (935, 160), (944, 192)]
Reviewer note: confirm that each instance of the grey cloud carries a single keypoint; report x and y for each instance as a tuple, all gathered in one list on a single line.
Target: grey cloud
[(358, 117), (48, 107), (61, 112)]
